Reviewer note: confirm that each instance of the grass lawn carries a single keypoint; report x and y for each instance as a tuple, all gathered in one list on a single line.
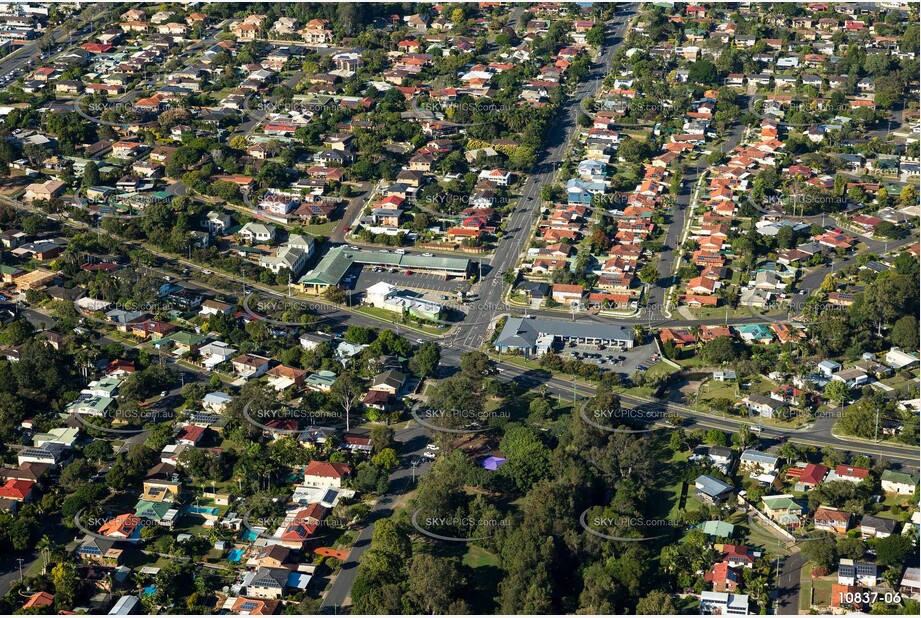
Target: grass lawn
[(759, 536), (896, 507), (389, 316), (712, 390), (671, 486), (692, 360), (706, 313), (805, 595), (822, 591), (660, 369), (476, 557), (321, 229), (899, 381)]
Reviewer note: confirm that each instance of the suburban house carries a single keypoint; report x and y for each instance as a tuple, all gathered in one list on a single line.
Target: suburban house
[(250, 366), (712, 490), (832, 520), (325, 474), (756, 461)]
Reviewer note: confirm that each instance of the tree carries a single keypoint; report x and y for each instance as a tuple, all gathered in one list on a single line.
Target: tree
[(98, 450), (656, 603), (703, 72), (720, 350), (91, 174), (786, 237), (424, 362), (836, 390), (359, 334), (76, 475), (475, 365), (347, 390), (851, 547), (540, 409), (67, 583), (382, 437), (595, 36), (822, 551), (892, 549), (649, 274), (386, 459), (528, 458), (436, 584), (905, 332)]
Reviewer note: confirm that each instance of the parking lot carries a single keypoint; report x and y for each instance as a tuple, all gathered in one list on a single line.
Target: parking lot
[(612, 358), (420, 281)]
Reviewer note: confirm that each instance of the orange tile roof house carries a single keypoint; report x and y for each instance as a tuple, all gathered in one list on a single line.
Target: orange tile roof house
[(304, 525), (679, 336), (48, 190), (122, 526), (567, 293), (325, 474), (832, 520), (39, 599), (724, 577), (17, 489)]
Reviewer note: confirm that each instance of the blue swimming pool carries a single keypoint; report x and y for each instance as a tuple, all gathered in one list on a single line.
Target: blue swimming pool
[(203, 510), (149, 590), (249, 535), (235, 555)]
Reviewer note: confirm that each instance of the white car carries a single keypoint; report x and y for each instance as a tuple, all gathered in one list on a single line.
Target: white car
[(428, 455), (432, 447)]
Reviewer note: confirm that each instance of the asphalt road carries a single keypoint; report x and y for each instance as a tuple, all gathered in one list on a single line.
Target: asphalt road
[(491, 287), (413, 442), (669, 257), (788, 584)]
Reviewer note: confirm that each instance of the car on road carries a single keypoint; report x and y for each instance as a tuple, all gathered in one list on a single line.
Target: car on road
[(347, 228), (408, 273), (207, 272), (641, 367), (427, 255), (164, 393), (420, 340)]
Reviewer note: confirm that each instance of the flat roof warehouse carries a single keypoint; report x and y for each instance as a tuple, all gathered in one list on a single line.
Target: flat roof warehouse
[(332, 268)]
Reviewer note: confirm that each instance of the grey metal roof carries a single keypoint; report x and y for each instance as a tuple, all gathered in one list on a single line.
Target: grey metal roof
[(711, 486), (758, 456), (338, 260), (524, 332)]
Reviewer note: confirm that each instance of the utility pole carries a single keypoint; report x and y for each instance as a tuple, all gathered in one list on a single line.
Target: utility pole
[(20, 568)]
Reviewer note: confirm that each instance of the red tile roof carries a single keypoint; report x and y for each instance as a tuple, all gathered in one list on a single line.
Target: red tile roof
[(328, 469)]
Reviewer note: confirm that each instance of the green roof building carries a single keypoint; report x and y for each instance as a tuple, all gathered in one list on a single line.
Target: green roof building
[(337, 261), (718, 528)]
